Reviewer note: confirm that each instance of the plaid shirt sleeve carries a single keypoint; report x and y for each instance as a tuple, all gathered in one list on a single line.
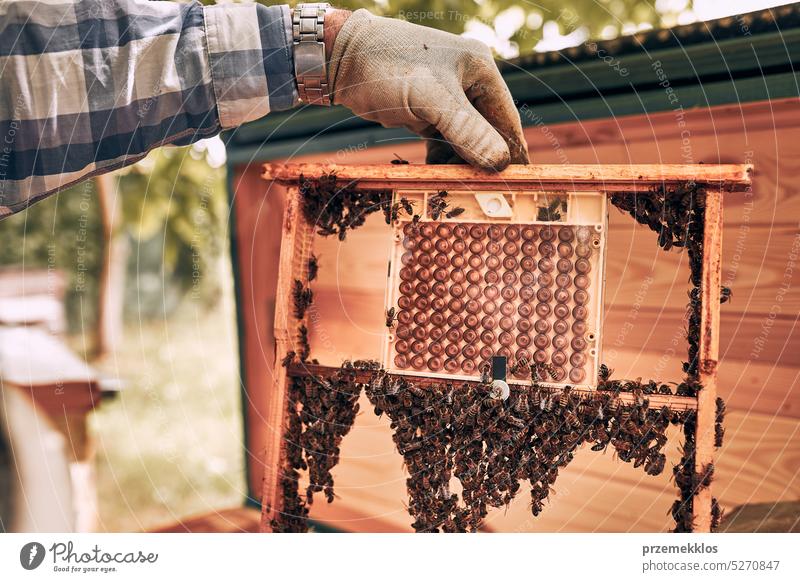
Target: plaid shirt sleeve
[(88, 86)]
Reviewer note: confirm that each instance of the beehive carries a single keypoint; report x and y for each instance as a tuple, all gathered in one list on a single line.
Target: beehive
[(498, 280), (508, 201)]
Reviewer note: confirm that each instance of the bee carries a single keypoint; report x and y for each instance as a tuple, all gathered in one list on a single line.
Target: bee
[(398, 161), (313, 267), (288, 359), (305, 348), (312, 388), (604, 373), (537, 369), (551, 371), (407, 205), (572, 420), (486, 415), (416, 391), (536, 397), (563, 401), (518, 366), (716, 514), (719, 434), (302, 298), (415, 219), (677, 510), (705, 477), (720, 407), (391, 317), (514, 421), (665, 238), (521, 405), (725, 294), (410, 447), (437, 205), (458, 211), (491, 402), (655, 464), (550, 212)]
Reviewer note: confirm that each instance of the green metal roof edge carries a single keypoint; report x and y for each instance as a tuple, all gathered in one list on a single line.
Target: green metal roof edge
[(725, 92), (690, 65)]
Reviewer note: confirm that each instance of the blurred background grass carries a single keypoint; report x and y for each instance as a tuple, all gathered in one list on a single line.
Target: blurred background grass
[(171, 444)]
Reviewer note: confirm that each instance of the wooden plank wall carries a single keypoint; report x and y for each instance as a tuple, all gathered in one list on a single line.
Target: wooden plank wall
[(643, 327)]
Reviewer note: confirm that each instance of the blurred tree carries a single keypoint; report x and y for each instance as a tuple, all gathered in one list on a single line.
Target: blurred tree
[(174, 198), (178, 197), (63, 232), (515, 27)]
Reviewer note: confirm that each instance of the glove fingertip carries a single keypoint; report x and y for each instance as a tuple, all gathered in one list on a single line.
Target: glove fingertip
[(497, 160)]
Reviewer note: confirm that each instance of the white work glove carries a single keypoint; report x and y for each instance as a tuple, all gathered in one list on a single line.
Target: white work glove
[(438, 85)]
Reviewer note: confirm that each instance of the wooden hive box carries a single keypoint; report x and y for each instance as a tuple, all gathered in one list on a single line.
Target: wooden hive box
[(344, 326)]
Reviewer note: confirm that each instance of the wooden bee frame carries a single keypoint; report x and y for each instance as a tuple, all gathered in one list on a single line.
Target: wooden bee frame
[(297, 242)]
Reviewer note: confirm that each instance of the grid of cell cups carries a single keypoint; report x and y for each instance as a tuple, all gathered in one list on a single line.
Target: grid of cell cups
[(468, 291)]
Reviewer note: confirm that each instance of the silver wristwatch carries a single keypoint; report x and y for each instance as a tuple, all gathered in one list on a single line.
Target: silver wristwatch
[(310, 70)]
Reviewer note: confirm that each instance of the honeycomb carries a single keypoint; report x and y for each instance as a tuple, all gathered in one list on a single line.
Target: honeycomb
[(466, 291)]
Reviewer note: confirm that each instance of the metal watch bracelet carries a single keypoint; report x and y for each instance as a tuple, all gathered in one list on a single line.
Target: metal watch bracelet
[(310, 68)]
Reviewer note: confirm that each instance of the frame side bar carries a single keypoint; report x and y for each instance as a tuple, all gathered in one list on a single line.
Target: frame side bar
[(293, 265), (709, 354)]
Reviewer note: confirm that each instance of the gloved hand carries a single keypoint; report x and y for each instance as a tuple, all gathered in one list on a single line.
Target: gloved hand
[(438, 85)]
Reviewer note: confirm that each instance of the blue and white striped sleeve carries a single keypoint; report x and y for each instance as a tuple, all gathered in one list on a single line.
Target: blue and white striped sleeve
[(87, 86)]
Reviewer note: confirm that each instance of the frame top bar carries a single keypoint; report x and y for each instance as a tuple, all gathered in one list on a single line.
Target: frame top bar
[(605, 177)]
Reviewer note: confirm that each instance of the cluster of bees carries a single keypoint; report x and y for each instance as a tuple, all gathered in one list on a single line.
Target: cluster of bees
[(687, 387), (293, 515), (677, 215), (320, 412), (690, 479), (457, 429), (448, 429), (334, 208)]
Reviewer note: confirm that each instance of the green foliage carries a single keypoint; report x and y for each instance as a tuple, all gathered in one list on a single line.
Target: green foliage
[(175, 194), (453, 15), (63, 232)]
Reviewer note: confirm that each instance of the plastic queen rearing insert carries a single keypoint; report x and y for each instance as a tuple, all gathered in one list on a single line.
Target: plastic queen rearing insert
[(525, 281)]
